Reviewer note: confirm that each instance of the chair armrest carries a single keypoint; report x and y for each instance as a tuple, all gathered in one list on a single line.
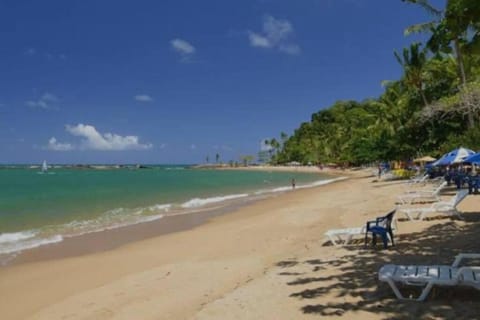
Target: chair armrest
[(441, 205), (368, 224), (461, 256)]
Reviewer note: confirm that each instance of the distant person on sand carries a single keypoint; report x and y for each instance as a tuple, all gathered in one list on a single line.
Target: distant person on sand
[(293, 183)]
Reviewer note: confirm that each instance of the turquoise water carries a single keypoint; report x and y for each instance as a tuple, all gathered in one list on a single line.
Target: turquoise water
[(40, 208)]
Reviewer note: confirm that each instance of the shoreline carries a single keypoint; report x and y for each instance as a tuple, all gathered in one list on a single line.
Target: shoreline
[(267, 260), (110, 239), (154, 214)]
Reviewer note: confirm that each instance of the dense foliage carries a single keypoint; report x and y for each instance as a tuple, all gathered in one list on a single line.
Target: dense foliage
[(432, 108)]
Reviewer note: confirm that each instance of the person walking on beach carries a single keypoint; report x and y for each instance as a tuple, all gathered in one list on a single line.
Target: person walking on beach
[(293, 183)]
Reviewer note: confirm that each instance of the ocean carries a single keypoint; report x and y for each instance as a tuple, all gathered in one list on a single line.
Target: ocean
[(39, 208)]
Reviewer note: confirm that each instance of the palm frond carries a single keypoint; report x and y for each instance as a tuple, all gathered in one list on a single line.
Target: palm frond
[(429, 8), (419, 28), (399, 59)]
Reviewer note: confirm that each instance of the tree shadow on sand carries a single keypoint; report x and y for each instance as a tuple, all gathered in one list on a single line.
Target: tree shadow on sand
[(350, 283)]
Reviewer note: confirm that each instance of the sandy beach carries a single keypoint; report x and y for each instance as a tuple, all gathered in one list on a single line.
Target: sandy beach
[(267, 260)]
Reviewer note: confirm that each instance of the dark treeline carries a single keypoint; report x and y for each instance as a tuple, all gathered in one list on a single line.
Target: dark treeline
[(433, 108)]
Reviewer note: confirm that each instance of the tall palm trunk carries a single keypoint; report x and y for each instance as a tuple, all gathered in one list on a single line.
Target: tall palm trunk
[(424, 98), (463, 78), (461, 68)]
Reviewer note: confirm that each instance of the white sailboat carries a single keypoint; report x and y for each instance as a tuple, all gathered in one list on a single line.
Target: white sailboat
[(44, 166)]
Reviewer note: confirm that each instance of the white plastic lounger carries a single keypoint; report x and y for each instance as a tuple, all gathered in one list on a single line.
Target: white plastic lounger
[(429, 276), (418, 179), (344, 236), (443, 207), (432, 195)]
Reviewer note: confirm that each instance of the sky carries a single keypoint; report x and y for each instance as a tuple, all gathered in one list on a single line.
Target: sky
[(177, 81)]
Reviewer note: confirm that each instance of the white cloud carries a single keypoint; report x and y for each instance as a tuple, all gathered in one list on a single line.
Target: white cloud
[(143, 98), (257, 40), (94, 140), (54, 145), (276, 33), (184, 48), (193, 147), (46, 101)]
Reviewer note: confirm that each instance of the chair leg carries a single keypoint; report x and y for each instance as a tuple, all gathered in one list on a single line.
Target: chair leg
[(391, 237), (425, 291), (397, 292), (385, 240), (399, 295), (332, 240), (348, 239)]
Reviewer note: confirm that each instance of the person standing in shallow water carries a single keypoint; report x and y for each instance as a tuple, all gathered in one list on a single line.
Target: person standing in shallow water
[(293, 183)]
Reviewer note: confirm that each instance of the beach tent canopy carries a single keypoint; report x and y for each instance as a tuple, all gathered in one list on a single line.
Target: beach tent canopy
[(474, 158), (453, 157), (425, 159)]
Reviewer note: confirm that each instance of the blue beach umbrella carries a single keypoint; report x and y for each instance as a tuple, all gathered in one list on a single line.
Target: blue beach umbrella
[(454, 156), (475, 158)]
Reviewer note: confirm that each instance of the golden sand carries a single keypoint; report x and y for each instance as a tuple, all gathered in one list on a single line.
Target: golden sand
[(268, 260)]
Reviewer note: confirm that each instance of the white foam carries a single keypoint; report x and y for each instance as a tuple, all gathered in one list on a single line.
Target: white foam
[(16, 236), (198, 202), (11, 247), (289, 188), (111, 219), (160, 207), (321, 183)]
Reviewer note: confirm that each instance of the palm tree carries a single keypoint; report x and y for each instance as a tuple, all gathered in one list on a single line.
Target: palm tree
[(413, 62), (440, 38), (452, 25)]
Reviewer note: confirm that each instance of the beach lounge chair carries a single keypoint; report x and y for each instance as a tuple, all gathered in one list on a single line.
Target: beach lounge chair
[(429, 276), (344, 236), (422, 195), (443, 207), (381, 226), (418, 179)]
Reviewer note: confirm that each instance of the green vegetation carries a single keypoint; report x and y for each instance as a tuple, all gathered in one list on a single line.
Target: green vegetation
[(433, 108)]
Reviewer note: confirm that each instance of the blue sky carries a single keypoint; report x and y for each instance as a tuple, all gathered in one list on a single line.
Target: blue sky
[(174, 81)]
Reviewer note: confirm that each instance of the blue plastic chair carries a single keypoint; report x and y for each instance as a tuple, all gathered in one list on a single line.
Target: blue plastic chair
[(381, 226)]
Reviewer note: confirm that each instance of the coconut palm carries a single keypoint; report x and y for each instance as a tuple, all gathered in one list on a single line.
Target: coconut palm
[(413, 61)]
